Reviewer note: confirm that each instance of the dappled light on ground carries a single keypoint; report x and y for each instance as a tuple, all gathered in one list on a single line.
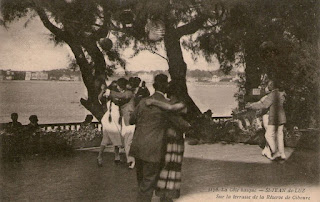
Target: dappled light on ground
[(229, 152), (205, 167)]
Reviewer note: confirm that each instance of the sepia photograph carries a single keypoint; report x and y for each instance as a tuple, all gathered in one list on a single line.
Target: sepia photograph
[(160, 100)]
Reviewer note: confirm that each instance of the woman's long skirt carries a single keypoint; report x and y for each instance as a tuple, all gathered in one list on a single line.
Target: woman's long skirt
[(169, 181), (111, 126)]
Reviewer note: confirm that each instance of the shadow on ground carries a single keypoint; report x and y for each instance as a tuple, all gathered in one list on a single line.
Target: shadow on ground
[(77, 178)]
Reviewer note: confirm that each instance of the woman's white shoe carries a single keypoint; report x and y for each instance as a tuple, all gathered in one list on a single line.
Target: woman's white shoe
[(132, 164), (267, 153)]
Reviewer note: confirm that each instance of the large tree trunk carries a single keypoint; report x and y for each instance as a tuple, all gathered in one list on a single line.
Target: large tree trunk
[(92, 76), (178, 70), (253, 75)]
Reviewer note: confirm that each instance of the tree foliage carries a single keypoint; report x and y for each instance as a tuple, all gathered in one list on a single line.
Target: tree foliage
[(276, 38), (232, 31), (84, 27)]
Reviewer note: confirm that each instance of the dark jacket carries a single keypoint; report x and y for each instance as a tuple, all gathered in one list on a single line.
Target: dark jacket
[(151, 125), (274, 102)]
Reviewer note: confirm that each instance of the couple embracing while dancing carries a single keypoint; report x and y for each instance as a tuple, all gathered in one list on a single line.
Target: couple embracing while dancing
[(158, 142)]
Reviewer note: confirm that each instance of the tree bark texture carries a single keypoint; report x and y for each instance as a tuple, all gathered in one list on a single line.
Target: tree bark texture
[(178, 70), (94, 77)]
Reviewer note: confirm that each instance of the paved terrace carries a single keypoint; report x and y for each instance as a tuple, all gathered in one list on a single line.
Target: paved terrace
[(206, 168)]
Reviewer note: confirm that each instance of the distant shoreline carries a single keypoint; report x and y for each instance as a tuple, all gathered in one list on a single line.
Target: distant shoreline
[(213, 83), (59, 81), (59, 101), (39, 81)]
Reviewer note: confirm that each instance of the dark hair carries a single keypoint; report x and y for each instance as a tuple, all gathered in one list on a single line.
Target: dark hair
[(131, 80), (113, 86), (33, 118), (122, 83), (137, 81), (14, 114), (89, 117), (134, 82), (160, 82)]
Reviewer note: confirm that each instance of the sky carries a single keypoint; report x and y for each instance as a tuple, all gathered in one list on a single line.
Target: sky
[(29, 49)]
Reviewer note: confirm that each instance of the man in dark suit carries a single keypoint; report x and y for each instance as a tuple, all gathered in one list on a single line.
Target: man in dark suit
[(147, 143)]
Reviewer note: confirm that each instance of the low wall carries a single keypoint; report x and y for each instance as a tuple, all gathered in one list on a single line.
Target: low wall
[(308, 138), (48, 139)]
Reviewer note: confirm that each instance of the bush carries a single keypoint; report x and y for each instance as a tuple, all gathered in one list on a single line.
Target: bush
[(54, 142)]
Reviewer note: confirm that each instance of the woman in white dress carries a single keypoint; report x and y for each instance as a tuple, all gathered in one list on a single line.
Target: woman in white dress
[(111, 125)]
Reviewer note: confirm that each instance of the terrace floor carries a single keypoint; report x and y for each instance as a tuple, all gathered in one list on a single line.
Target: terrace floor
[(208, 170)]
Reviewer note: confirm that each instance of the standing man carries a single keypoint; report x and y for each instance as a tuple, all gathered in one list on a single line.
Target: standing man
[(147, 145)]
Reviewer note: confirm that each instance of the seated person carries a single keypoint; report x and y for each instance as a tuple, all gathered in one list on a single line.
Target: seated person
[(14, 125), (33, 135), (87, 122), (33, 126)]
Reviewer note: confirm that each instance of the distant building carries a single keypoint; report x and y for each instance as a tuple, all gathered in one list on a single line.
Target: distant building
[(53, 78), (10, 77), (6, 75), (215, 78), (2, 75), (227, 79), (9, 73), (75, 78), (191, 79), (37, 76), (28, 76), (42, 76), (64, 78)]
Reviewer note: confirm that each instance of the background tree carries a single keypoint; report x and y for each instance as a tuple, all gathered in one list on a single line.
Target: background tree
[(231, 31), (84, 27), (276, 38), (171, 21)]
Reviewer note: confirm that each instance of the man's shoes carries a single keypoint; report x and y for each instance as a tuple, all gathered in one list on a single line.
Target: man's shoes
[(99, 162), (117, 159), (282, 157), (279, 157), (276, 155)]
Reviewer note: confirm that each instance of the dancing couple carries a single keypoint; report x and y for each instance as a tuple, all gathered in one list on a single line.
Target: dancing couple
[(158, 143), (273, 121), (120, 99)]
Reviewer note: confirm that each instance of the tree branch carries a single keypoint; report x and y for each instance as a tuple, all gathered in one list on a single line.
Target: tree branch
[(46, 22), (191, 27), (152, 51), (97, 56), (85, 68), (105, 27)]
